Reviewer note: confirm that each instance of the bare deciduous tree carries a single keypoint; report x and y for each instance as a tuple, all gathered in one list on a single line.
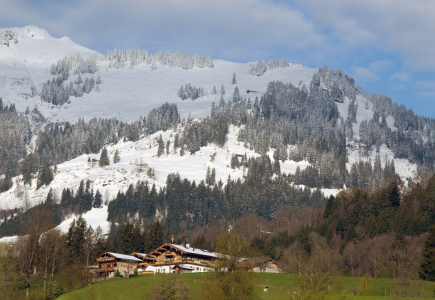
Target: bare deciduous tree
[(40, 220)]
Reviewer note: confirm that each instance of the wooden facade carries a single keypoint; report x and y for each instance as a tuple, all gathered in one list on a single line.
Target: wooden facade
[(262, 265), (110, 262), (172, 258)]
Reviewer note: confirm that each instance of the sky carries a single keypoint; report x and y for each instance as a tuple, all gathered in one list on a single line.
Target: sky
[(388, 46)]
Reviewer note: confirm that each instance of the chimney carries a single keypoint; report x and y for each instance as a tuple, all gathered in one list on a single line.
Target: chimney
[(172, 238), (187, 245)]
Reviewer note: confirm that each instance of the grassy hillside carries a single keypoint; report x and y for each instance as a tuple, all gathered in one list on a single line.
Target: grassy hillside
[(280, 287)]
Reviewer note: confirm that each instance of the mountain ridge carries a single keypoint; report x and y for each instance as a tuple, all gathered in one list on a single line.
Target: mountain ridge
[(129, 91)]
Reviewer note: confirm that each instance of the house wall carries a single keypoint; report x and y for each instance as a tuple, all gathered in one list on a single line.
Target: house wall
[(170, 268), (126, 268), (270, 268)]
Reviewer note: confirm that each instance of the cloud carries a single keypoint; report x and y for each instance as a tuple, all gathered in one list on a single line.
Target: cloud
[(399, 26), (239, 30), (399, 77), (380, 65), (425, 84), (425, 94), (365, 74), (370, 73), (399, 87)]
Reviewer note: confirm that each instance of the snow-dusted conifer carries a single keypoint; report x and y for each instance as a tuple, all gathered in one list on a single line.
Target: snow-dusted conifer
[(222, 90), (116, 157), (104, 158), (234, 81), (236, 95), (161, 148)]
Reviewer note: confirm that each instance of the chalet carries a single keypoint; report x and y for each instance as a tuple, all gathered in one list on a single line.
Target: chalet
[(260, 265), (145, 262), (109, 263), (173, 258)]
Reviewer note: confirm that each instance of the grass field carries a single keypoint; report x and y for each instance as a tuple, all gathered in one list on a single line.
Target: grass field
[(280, 287)]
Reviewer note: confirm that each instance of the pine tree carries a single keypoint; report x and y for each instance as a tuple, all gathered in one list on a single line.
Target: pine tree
[(104, 158), (427, 266), (234, 81), (115, 244), (116, 157), (98, 200), (182, 149), (207, 176), (276, 167), (156, 235), (236, 95), (161, 148), (49, 201), (222, 90), (212, 177), (168, 144), (45, 176)]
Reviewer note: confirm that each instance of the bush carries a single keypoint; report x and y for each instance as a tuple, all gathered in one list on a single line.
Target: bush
[(55, 289), (171, 289)]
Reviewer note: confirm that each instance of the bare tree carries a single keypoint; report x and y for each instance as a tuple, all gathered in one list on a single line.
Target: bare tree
[(90, 240), (51, 245), (28, 246)]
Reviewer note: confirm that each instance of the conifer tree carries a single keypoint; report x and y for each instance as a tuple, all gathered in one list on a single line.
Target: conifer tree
[(427, 266), (116, 157), (104, 158), (222, 90), (182, 149), (234, 81), (115, 244), (98, 200), (156, 235), (168, 144), (161, 148), (45, 176), (276, 167), (207, 176)]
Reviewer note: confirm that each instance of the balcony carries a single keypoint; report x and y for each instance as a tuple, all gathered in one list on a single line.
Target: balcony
[(103, 270)]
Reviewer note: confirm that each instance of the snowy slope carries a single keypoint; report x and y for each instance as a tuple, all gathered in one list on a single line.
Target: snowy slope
[(125, 93), (136, 159), (128, 94), (26, 62)]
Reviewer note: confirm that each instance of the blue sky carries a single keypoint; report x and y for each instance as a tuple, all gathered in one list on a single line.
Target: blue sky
[(388, 46)]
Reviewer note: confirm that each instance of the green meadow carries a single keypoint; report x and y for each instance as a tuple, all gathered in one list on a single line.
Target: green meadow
[(280, 286)]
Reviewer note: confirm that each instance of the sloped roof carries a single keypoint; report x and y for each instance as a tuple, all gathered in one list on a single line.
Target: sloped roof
[(196, 251), (124, 256)]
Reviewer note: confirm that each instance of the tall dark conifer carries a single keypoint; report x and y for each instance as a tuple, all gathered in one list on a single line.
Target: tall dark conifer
[(427, 266)]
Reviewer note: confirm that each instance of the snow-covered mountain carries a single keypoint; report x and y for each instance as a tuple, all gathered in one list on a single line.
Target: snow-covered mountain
[(129, 92)]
